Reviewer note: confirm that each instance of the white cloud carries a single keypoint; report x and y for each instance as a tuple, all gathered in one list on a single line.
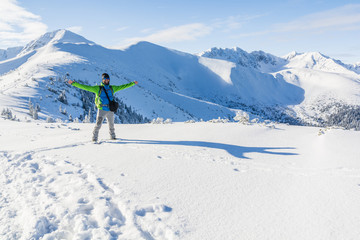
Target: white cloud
[(120, 29), (347, 16), (234, 22), (147, 30), (175, 34), (251, 34), (17, 25)]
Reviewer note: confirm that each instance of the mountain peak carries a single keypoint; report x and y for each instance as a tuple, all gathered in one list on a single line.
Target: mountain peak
[(291, 55), (255, 59), (236, 55), (9, 53), (313, 55), (66, 36), (58, 36), (316, 61), (144, 44)]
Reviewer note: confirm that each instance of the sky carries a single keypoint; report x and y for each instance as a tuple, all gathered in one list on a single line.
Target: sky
[(279, 27)]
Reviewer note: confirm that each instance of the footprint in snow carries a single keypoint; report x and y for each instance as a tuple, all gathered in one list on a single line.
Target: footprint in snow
[(152, 220), (152, 209)]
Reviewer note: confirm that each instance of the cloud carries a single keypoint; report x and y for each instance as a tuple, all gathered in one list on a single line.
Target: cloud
[(121, 29), (234, 22), (345, 18), (175, 34), (17, 25), (146, 30), (251, 34)]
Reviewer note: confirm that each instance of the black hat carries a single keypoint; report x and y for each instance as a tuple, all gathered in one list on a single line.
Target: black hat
[(105, 75)]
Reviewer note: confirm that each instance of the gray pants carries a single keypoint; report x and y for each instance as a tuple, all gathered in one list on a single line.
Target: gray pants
[(101, 114)]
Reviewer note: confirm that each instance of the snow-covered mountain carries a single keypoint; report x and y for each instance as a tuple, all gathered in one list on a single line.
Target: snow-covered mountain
[(9, 53), (298, 88), (354, 67), (258, 60), (331, 88)]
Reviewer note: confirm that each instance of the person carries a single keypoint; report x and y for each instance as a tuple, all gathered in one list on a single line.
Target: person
[(102, 102)]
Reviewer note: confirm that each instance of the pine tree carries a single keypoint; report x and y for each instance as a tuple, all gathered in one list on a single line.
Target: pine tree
[(35, 114), (63, 111), (31, 108), (37, 107), (62, 97), (8, 114), (50, 120)]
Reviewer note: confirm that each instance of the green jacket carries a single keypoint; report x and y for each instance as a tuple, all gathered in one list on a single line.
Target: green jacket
[(96, 90)]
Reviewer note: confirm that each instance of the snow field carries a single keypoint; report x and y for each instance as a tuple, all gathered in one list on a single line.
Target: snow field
[(47, 199), (178, 181), (51, 198)]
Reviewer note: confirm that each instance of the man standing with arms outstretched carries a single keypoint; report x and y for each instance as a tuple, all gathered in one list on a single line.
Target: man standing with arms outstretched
[(104, 94)]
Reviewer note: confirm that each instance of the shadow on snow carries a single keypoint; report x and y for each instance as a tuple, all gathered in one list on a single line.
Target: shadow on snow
[(234, 150)]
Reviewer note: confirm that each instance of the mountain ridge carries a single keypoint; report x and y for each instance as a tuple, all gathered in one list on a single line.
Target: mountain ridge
[(178, 85)]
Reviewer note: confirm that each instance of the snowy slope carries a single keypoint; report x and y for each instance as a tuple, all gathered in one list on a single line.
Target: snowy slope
[(178, 181), (328, 84), (9, 53), (354, 67), (170, 81), (258, 60), (307, 88), (173, 84)]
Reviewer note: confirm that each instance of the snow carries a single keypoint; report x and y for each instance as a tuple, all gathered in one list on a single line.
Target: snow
[(9, 53), (194, 180), (177, 85), (178, 181), (221, 68)]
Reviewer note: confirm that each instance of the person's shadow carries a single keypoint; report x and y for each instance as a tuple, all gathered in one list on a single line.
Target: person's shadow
[(234, 150)]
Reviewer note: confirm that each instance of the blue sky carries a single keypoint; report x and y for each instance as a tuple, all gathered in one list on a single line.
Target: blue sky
[(331, 27)]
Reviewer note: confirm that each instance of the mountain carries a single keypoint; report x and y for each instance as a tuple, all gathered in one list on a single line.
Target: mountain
[(331, 88), (354, 67), (173, 84), (9, 53), (53, 38), (258, 60)]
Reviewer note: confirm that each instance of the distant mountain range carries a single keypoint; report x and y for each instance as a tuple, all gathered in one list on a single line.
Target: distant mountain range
[(300, 88)]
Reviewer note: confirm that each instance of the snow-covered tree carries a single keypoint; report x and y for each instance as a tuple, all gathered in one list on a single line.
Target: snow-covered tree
[(31, 107), (242, 118), (33, 111), (50, 120), (62, 97), (61, 110), (35, 115), (7, 114)]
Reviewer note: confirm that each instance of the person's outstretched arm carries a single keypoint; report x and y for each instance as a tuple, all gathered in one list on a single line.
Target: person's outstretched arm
[(94, 89), (121, 87)]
